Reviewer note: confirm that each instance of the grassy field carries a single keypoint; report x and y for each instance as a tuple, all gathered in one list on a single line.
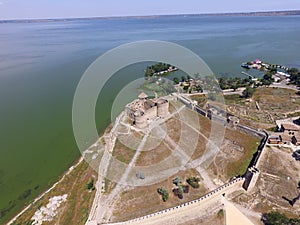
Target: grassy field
[(234, 162), (278, 99), (274, 104), (229, 99), (76, 209), (249, 144), (234, 99)]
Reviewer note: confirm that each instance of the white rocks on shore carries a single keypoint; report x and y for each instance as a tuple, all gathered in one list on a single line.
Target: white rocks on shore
[(49, 212)]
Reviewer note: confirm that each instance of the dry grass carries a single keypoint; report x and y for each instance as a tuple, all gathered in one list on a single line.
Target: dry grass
[(205, 126), (274, 103), (79, 201), (279, 176), (173, 127), (234, 162), (154, 156), (249, 143), (234, 157), (200, 149), (278, 99), (122, 152), (145, 200), (201, 99)]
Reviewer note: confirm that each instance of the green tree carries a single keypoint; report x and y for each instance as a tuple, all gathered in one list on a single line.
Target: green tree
[(293, 71), (90, 185), (177, 181), (193, 181), (176, 80), (267, 79), (220, 214), (273, 70), (180, 190), (164, 193), (234, 87), (185, 88), (248, 92), (295, 76), (274, 218)]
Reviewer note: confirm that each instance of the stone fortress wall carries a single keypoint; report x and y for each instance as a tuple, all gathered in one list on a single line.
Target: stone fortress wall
[(144, 110), (222, 190)]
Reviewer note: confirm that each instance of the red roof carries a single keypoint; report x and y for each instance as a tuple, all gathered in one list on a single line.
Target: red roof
[(143, 95)]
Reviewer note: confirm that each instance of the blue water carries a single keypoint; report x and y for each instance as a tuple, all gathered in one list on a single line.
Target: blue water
[(42, 62)]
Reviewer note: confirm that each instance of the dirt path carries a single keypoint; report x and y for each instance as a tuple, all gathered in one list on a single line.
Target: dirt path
[(105, 210)]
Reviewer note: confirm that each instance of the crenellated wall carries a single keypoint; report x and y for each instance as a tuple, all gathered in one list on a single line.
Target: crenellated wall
[(224, 189)]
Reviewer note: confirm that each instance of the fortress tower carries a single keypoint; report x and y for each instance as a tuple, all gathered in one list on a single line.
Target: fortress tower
[(143, 110), (162, 108)]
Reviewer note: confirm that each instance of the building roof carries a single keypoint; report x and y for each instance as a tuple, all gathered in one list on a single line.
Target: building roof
[(143, 95), (289, 126)]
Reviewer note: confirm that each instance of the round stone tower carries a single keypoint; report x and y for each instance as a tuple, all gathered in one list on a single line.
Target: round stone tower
[(139, 119), (162, 108)]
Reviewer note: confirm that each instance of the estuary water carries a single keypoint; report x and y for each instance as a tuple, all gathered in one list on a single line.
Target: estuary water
[(41, 64)]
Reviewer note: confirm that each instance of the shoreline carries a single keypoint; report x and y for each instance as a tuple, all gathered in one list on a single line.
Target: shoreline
[(66, 173), (291, 12)]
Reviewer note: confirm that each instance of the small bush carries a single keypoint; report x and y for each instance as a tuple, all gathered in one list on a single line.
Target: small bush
[(177, 181), (164, 193), (186, 189), (220, 213), (193, 181), (91, 186)]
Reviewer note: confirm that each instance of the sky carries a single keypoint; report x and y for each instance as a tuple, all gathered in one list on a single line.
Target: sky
[(40, 9)]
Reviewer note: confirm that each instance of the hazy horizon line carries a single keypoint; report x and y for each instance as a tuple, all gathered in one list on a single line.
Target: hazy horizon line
[(262, 13)]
